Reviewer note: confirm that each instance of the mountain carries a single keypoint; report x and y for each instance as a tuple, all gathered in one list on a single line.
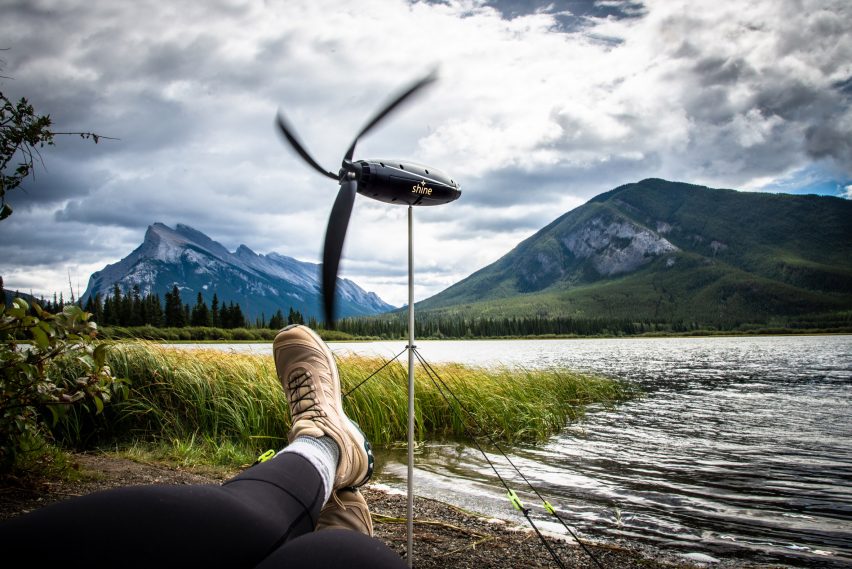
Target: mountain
[(671, 251), (260, 284)]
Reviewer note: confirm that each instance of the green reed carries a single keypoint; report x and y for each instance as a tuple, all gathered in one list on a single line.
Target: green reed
[(184, 395)]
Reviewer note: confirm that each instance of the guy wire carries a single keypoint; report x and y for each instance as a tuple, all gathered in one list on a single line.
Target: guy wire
[(430, 370), (375, 372), (524, 511)]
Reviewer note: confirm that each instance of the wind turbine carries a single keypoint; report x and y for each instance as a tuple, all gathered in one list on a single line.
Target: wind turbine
[(389, 181)]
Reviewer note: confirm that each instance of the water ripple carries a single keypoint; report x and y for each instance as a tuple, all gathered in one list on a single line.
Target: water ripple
[(741, 447)]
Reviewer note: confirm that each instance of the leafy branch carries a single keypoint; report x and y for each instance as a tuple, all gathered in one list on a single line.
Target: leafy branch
[(22, 133)]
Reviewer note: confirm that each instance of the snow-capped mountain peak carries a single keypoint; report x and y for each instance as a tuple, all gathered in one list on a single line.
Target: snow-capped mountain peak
[(260, 284)]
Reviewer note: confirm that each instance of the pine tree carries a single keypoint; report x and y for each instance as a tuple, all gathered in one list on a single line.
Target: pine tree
[(153, 310), (125, 310), (98, 309), (95, 307), (135, 316), (200, 313), (90, 307), (107, 312), (215, 316), (225, 317), (239, 320), (2, 292), (174, 313), (277, 320), (167, 319), (232, 316), (115, 306), (295, 317)]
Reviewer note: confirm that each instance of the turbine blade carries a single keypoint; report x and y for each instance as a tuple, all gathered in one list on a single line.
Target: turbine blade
[(393, 104), (290, 134), (338, 221)]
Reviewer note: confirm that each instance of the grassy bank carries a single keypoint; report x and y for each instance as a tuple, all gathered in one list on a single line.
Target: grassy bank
[(232, 404)]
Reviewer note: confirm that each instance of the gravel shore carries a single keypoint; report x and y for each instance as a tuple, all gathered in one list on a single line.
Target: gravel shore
[(444, 536)]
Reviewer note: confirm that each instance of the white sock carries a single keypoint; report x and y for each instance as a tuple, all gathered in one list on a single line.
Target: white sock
[(323, 453)]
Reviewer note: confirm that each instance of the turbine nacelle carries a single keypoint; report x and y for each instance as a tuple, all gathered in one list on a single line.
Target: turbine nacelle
[(389, 181), (404, 183)]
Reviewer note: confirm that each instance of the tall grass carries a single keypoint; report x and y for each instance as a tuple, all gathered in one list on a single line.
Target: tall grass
[(508, 404), (209, 395)]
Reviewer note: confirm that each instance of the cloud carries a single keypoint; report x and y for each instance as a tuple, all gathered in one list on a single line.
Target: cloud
[(55, 184), (540, 106), (33, 242)]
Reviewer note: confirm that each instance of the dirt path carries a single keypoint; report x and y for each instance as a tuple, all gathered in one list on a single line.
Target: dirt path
[(444, 536)]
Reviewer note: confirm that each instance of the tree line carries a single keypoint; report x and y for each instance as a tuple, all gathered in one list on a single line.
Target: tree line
[(136, 309), (458, 326), (132, 309)]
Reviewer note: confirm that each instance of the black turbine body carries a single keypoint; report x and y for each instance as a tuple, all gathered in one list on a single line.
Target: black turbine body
[(389, 181)]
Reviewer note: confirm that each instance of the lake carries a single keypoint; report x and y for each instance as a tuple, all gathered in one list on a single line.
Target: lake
[(741, 447)]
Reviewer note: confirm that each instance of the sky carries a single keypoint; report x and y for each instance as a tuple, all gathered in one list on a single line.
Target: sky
[(539, 106)]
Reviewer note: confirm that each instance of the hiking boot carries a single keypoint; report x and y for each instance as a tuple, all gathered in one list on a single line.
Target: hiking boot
[(347, 509), (308, 373)]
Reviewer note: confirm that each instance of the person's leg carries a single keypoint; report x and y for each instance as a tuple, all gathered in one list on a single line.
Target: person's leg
[(237, 524), (334, 548)]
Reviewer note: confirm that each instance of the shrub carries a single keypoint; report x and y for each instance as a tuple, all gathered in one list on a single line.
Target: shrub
[(34, 379)]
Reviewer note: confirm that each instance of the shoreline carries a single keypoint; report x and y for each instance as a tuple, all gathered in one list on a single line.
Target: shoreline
[(444, 535), (763, 332)]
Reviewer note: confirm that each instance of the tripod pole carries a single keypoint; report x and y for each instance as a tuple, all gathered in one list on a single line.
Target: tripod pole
[(410, 389)]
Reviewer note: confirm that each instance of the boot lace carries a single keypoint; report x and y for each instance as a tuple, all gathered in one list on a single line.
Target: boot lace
[(301, 394)]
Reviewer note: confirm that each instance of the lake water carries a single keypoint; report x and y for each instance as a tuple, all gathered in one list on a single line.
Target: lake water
[(741, 447)]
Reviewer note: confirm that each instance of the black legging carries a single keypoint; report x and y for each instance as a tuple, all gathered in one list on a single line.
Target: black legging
[(262, 518)]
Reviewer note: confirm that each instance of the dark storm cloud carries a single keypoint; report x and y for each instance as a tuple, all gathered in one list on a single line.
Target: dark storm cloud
[(722, 70), (711, 105), (792, 99), (52, 244), (827, 140), (54, 184), (106, 213), (844, 86), (510, 185), (762, 106), (115, 82), (135, 205)]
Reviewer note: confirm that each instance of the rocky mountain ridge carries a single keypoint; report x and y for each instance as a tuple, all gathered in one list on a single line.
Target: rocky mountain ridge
[(260, 284), (670, 251)]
